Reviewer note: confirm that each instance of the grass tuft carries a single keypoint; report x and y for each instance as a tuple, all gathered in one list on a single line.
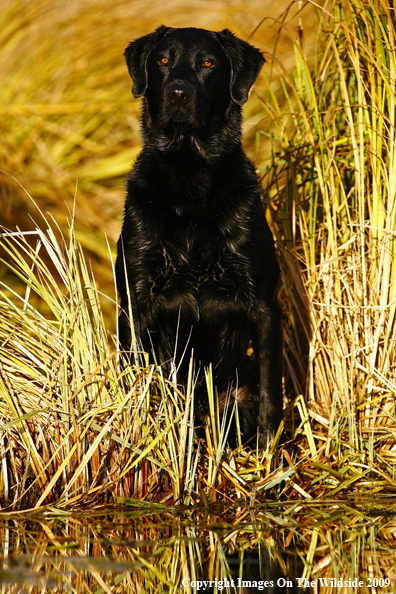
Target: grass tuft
[(77, 427), (330, 187)]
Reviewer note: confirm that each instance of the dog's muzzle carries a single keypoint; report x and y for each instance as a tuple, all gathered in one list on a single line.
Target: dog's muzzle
[(178, 94)]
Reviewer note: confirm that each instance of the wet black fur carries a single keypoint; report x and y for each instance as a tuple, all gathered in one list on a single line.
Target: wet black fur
[(198, 252)]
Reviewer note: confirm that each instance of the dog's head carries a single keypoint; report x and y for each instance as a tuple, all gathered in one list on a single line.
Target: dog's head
[(191, 79)]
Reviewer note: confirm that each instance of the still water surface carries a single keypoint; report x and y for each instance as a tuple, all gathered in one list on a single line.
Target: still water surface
[(327, 546)]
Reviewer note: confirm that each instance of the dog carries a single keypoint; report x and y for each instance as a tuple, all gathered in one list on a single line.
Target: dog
[(196, 259)]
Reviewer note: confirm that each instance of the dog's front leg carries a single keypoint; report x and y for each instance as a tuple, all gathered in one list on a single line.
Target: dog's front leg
[(267, 345)]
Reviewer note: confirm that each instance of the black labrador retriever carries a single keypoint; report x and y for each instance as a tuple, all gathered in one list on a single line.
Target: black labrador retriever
[(196, 259)]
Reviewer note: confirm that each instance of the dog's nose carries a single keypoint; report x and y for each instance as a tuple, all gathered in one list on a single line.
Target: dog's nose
[(178, 93)]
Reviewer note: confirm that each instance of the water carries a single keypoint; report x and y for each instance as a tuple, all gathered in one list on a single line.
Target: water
[(274, 547)]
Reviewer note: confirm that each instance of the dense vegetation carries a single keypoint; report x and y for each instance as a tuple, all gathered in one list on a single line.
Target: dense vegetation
[(76, 427)]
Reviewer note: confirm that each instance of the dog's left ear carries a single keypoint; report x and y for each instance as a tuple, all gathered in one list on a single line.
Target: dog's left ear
[(246, 62), (137, 54)]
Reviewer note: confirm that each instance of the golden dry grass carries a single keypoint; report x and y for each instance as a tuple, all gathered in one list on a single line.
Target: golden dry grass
[(78, 429), (68, 122)]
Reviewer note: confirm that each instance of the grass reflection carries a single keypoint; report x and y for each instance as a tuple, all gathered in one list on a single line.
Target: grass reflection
[(276, 547)]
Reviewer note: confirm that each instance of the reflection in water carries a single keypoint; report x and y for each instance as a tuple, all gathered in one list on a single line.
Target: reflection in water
[(156, 549), (252, 572)]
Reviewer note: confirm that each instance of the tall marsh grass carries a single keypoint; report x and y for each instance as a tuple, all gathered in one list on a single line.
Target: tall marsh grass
[(331, 188), (78, 428)]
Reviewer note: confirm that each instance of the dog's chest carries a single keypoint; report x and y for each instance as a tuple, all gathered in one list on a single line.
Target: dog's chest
[(195, 256), (191, 243)]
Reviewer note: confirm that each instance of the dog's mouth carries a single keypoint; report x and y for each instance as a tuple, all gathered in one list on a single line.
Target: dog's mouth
[(180, 124), (180, 119)]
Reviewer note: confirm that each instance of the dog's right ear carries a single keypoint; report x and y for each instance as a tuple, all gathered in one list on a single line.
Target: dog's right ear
[(137, 54)]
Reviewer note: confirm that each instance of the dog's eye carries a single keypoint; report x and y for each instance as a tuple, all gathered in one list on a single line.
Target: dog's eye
[(207, 64), (164, 61)]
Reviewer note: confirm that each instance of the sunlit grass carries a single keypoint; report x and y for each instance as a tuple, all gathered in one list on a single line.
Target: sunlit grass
[(78, 428), (331, 191), (69, 125)]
